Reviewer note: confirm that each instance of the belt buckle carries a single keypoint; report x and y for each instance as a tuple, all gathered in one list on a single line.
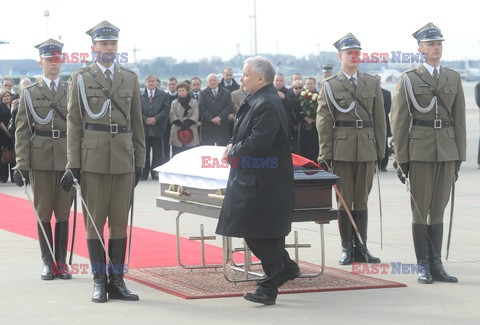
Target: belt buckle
[(55, 134), (359, 124), (437, 123), (113, 128)]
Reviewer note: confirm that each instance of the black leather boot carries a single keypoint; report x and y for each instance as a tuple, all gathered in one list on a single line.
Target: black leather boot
[(345, 229), (99, 270), (436, 267), (420, 242), (360, 252), (116, 286), (48, 264), (61, 242)]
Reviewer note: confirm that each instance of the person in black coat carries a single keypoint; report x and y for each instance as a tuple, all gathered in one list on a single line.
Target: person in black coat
[(477, 100), (228, 82), (6, 138), (387, 105), (215, 106), (155, 116), (172, 95), (288, 103), (258, 202)]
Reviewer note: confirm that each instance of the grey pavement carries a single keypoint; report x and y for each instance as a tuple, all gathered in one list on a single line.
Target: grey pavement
[(26, 299)]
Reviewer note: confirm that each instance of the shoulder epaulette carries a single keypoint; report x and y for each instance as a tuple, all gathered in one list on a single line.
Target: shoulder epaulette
[(32, 85), (456, 72), (128, 70)]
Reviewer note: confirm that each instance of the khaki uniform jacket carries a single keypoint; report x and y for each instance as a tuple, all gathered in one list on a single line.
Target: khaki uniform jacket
[(350, 143), (41, 152), (102, 152), (419, 143), (176, 113)]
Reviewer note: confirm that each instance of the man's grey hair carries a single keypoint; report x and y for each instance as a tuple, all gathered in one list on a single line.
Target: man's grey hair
[(151, 76), (212, 75), (262, 65), (25, 82)]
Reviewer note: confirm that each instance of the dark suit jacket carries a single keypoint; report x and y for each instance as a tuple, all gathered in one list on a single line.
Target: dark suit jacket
[(387, 104), (234, 86), (211, 107), (477, 94), (259, 201), (289, 104), (157, 108)]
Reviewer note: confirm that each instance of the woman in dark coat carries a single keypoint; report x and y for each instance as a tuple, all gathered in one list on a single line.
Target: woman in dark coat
[(6, 138), (259, 197)]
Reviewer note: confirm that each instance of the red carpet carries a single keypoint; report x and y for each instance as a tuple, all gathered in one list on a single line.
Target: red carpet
[(154, 263), (149, 248), (205, 283)]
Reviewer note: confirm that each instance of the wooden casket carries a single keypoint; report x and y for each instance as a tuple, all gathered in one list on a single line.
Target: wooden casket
[(185, 180)]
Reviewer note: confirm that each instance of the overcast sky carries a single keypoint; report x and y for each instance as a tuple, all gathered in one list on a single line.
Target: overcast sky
[(195, 29)]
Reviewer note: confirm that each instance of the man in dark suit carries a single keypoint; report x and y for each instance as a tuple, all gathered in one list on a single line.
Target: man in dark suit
[(155, 115), (196, 87), (172, 95), (387, 105), (258, 204), (288, 103), (215, 106), (227, 81)]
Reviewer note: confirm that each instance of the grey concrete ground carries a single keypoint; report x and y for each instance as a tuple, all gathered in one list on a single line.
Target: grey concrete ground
[(25, 299)]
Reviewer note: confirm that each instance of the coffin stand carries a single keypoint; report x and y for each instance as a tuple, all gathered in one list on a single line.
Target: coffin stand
[(313, 202)]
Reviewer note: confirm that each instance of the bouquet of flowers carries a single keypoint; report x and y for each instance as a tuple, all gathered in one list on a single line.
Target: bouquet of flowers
[(308, 105)]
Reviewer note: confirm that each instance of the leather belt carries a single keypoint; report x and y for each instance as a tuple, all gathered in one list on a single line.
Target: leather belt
[(54, 134), (359, 124), (110, 128), (436, 123)]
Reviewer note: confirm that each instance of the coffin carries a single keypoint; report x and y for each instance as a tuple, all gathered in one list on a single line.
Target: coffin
[(194, 176)]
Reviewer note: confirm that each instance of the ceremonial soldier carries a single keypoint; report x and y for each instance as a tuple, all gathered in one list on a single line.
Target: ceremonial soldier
[(351, 131), (106, 146), (428, 122), (327, 70), (41, 153)]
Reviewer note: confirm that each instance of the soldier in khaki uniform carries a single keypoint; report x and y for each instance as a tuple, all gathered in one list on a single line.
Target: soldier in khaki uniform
[(106, 143), (41, 149), (351, 131), (428, 124)]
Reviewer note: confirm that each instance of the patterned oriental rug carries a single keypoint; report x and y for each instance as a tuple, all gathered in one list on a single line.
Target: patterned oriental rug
[(208, 283)]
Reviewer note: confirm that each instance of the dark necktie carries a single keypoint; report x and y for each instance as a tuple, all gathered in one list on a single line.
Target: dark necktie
[(107, 76), (352, 80), (214, 93), (52, 88), (435, 76)]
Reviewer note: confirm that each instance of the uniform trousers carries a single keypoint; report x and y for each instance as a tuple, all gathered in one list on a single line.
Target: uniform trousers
[(48, 197), (107, 196), (356, 179), (430, 185)]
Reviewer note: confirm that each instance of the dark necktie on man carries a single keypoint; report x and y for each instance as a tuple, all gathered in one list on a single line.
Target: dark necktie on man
[(214, 91), (109, 79), (352, 80), (151, 94), (435, 76), (52, 88)]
